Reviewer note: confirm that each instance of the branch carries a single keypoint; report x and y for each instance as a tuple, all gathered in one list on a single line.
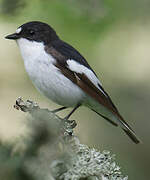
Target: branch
[(53, 152)]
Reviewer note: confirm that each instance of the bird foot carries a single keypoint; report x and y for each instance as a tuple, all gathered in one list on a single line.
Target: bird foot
[(69, 125)]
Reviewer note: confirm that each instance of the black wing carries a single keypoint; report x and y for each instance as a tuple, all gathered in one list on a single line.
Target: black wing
[(70, 53)]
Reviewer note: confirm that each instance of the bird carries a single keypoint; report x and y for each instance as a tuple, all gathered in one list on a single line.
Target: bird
[(63, 75)]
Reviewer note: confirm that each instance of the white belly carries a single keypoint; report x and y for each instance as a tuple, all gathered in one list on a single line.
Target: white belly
[(47, 78), (49, 81)]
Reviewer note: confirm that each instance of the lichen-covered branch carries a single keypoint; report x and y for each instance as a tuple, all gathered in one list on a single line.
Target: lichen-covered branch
[(53, 152)]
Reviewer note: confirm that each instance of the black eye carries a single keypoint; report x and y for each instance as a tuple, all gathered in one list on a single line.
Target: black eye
[(31, 32)]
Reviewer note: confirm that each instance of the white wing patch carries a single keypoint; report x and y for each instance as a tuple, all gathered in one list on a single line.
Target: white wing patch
[(18, 30), (79, 68)]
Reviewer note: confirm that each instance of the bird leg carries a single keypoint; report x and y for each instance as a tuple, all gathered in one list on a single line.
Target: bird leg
[(74, 109), (59, 109)]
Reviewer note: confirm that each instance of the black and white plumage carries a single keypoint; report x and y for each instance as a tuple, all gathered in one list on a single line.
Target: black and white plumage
[(62, 74)]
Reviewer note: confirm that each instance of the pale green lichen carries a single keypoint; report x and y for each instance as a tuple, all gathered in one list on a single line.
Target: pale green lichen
[(53, 153), (85, 163)]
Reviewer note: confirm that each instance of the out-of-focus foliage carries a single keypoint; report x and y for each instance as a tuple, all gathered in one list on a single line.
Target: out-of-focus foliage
[(9, 8)]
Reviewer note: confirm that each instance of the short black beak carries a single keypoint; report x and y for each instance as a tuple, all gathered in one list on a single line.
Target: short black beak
[(12, 36)]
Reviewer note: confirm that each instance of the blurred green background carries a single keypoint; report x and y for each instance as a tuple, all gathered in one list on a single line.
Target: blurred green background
[(114, 37)]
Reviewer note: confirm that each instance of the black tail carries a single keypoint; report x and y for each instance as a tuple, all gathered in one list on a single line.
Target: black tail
[(125, 127), (132, 135), (110, 121)]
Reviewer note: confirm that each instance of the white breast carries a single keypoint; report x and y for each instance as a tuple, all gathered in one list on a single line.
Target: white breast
[(46, 77)]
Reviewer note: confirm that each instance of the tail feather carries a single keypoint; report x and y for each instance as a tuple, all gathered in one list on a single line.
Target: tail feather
[(109, 120), (132, 135), (118, 120), (128, 130)]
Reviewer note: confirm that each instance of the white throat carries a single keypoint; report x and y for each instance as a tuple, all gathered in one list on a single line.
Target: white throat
[(30, 49)]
